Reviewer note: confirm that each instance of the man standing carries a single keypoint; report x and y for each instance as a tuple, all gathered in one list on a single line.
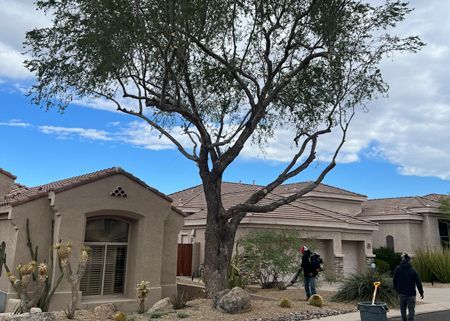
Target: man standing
[(405, 281), (308, 272)]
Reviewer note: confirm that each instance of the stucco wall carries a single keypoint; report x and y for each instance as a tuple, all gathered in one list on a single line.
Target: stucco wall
[(401, 233), (8, 234), (5, 185)]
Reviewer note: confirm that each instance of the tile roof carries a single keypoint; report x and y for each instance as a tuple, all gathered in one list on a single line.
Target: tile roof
[(437, 197), (4, 172), (397, 205), (193, 201), (22, 194), (194, 196)]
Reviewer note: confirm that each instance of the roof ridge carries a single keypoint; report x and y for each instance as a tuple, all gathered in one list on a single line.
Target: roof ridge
[(327, 185), (6, 173)]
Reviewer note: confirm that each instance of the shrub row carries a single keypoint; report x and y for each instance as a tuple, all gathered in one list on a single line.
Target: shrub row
[(433, 265)]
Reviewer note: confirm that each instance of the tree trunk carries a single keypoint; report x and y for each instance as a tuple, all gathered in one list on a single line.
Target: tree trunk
[(219, 241)]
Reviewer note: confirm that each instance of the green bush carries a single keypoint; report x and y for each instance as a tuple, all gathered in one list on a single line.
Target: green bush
[(359, 287), (271, 256), (433, 265), (389, 256), (156, 315), (382, 266), (240, 273), (285, 303)]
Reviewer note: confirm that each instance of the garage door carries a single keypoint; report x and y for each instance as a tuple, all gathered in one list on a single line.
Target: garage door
[(350, 251)]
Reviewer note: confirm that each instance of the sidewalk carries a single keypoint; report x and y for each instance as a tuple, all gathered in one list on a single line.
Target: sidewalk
[(436, 299)]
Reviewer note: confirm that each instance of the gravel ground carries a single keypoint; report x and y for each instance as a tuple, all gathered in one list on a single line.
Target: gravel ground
[(262, 310)]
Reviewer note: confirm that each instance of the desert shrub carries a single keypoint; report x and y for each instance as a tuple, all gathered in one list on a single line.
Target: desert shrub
[(440, 265), (316, 300), (421, 263), (271, 256), (359, 287), (156, 315), (433, 265), (382, 266), (178, 300), (285, 303), (389, 256), (182, 315), (130, 318), (240, 273)]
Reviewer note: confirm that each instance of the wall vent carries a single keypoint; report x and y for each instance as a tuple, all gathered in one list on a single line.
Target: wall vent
[(119, 192)]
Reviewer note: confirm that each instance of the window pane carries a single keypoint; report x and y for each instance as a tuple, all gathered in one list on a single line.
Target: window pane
[(116, 258), (91, 283), (106, 230)]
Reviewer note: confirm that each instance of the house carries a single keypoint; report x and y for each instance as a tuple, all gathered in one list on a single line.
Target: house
[(407, 224), (328, 217), (131, 228)]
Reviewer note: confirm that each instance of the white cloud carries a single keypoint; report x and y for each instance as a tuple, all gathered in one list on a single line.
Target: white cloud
[(15, 123), (71, 132)]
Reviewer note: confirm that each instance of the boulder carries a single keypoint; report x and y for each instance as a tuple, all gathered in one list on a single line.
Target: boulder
[(12, 305), (43, 316), (105, 311), (35, 310), (219, 295), (235, 301), (160, 305)]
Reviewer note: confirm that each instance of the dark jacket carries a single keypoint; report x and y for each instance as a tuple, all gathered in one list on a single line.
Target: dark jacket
[(306, 264), (406, 279)]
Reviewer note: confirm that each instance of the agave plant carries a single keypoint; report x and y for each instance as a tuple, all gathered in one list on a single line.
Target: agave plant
[(359, 287)]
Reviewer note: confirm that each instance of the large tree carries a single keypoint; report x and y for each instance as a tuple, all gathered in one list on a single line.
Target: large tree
[(226, 72)]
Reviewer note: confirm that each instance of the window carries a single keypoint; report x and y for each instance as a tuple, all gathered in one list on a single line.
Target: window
[(443, 233), (105, 273), (390, 242)]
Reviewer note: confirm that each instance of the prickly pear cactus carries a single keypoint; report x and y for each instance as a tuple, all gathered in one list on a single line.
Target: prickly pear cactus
[(316, 300)]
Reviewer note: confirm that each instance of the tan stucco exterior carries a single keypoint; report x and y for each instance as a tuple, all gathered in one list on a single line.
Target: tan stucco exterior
[(153, 231)]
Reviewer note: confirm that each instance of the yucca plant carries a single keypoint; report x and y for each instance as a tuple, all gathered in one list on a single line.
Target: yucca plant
[(359, 287)]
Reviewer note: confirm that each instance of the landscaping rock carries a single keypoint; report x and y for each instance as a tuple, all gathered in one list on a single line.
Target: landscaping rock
[(160, 305), (216, 297), (43, 316), (35, 310), (105, 311), (235, 301), (12, 305)]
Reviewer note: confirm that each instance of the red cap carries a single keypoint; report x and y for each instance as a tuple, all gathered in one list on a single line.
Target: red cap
[(303, 249)]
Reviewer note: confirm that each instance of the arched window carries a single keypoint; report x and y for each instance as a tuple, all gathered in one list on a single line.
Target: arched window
[(105, 273), (390, 242)]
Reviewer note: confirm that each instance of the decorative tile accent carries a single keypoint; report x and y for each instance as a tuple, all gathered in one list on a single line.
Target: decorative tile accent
[(339, 267), (119, 192)]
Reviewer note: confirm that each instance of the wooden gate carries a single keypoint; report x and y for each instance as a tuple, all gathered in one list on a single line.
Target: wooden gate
[(184, 260)]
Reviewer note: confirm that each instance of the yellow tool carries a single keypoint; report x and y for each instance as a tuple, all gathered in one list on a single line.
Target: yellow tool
[(376, 284)]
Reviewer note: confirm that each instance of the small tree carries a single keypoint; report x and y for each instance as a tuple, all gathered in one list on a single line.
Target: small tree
[(63, 251), (272, 255)]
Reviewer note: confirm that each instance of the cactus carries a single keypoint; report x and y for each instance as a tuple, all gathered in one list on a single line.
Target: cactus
[(285, 303), (142, 290), (49, 288), (120, 316), (63, 251), (316, 300)]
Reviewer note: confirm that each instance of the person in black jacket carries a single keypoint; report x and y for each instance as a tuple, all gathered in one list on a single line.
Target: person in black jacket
[(405, 281), (308, 272)]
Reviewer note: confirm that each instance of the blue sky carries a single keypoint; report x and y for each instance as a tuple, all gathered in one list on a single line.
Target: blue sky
[(400, 147)]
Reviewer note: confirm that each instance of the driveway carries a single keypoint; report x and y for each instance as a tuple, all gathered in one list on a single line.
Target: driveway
[(434, 316)]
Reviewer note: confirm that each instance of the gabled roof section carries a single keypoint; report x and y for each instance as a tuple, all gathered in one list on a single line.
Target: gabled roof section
[(22, 194), (194, 197), (192, 201), (324, 188), (6, 173), (397, 205), (437, 197)]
